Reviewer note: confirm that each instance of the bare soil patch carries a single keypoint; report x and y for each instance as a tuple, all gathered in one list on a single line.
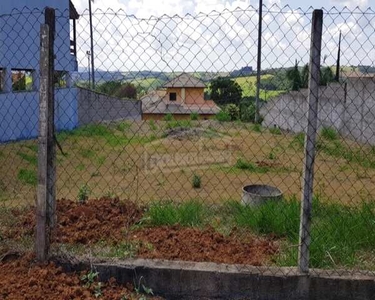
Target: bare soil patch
[(207, 245), (110, 221), (90, 222), (22, 278)]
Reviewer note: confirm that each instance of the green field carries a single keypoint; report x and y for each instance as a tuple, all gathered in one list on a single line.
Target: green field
[(248, 85)]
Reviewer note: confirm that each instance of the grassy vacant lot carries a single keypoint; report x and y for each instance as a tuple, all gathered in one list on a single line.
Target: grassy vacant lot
[(204, 165), (146, 161), (116, 159)]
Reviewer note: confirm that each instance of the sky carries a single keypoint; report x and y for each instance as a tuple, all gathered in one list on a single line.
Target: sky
[(128, 38), (145, 8)]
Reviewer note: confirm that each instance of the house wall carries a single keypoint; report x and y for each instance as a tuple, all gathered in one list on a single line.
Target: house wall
[(174, 90), (19, 113), (95, 108), (351, 112), (194, 96), (19, 34)]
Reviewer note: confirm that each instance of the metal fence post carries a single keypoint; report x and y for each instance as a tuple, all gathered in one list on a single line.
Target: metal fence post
[(45, 210), (310, 139)]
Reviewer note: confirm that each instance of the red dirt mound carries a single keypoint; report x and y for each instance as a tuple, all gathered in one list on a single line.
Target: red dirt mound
[(23, 279), (90, 222), (207, 245)]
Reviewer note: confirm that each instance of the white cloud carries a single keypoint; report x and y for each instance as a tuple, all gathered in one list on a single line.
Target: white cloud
[(351, 3), (222, 42)]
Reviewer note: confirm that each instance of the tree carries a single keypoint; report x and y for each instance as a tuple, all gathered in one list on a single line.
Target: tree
[(225, 91), (294, 78), (127, 90), (326, 76), (109, 87), (305, 77)]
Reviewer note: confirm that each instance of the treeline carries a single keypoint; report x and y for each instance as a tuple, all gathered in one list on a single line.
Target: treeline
[(294, 79), (116, 88)]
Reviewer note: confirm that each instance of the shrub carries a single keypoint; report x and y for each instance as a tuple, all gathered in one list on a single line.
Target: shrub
[(256, 128), (83, 193), (233, 111), (222, 116), (168, 117), (329, 133), (242, 164), (194, 116), (153, 125), (196, 181), (275, 130)]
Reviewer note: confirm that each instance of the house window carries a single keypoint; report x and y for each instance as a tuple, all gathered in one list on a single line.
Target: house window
[(22, 80), (2, 79), (172, 96)]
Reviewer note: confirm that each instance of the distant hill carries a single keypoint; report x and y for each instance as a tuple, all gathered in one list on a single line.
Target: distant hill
[(245, 71)]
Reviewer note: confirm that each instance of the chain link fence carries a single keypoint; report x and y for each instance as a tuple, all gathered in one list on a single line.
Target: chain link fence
[(157, 150)]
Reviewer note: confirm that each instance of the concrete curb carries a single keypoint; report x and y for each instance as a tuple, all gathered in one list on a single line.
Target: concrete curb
[(192, 280)]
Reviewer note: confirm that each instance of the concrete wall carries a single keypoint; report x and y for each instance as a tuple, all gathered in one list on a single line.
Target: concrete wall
[(202, 281), (94, 107), (350, 111), (19, 113)]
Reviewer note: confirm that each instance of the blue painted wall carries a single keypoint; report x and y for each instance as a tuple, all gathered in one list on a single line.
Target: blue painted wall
[(19, 113), (19, 34)]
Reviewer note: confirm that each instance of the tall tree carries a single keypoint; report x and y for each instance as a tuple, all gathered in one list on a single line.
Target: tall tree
[(326, 76), (225, 91), (305, 77), (294, 78)]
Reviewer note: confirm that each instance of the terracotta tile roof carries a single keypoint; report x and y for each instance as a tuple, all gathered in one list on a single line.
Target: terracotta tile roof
[(185, 80)]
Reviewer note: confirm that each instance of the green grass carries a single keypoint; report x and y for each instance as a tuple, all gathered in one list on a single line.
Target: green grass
[(112, 137), (275, 130), (87, 153), (277, 218), (190, 213), (152, 125), (341, 235), (32, 159), (243, 164), (336, 148), (256, 127), (100, 160), (194, 116), (32, 147), (123, 126), (175, 124), (27, 177), (298, 141), (80, 167), (168, 117), (148, 83), (329, 133)]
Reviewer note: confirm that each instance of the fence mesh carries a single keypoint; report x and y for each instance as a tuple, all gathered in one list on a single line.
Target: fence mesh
[(166, 125)]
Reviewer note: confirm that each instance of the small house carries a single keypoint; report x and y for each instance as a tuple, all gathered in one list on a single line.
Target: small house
[(180, 97)]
